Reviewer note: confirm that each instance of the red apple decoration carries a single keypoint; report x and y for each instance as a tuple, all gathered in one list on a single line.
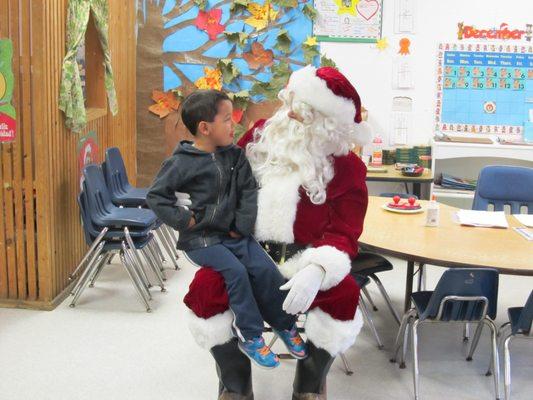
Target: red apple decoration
[(411, 201), (396, 199)]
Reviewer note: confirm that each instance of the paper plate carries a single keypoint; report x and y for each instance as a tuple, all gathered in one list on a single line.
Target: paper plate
[(399, 211)]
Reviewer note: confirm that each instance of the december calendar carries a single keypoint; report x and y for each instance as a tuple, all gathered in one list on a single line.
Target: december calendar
[(485, 89)]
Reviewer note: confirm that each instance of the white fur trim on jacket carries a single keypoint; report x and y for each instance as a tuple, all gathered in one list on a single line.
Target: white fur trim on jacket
[(211, 331), (277, 202), (335, 262), (330, 334), (312, 90)]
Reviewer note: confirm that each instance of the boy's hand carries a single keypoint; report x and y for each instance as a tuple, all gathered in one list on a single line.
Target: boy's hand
[(192, 222), (235, 235)]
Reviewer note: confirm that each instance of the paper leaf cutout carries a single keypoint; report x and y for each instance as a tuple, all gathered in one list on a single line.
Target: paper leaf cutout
[(280, 77), (239, 6), (327, 62), (259, 57), (228, 69), (211, 80), (286, 3), (310, 52), (209, 21), (261, 15), (164, 103), (238, 38), (310, 12), (237, 115), (202, 4), (240, 99), (283, 41)]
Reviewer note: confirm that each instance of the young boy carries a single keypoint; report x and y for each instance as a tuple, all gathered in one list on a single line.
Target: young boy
[(216, 232)]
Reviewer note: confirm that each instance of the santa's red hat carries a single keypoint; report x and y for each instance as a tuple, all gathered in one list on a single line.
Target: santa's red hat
[(327, 90)]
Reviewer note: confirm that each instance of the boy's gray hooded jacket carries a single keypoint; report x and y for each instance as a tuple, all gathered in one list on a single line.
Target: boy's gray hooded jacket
[(223, 194)]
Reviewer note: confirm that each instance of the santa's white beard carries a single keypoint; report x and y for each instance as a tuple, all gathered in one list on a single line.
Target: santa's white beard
[(286, 146)]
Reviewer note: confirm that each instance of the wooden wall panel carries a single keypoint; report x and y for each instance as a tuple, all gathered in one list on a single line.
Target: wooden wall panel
[(41, 239)]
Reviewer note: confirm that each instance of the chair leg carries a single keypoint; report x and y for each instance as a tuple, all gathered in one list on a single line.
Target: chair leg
[(167, 246), (507, 366), (100, 269), (156, 252), (134, 269), (136, 257), (93, 247), (399, 336), (405, 344), (158, 246), (475, 341), (140, 273), (131, 273), (156, 260), (414, 345), (495, 356), (386, 297), (84, 278), (367, 295), (348, 370), (368, 319), (466, 332), (168, 235), (155, 269)]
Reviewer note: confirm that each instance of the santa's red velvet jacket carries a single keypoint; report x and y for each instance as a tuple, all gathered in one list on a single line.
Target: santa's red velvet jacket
[(330, 230)]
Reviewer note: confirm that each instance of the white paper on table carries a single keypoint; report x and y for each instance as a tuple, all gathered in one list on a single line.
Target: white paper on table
[(525, 219), (487, 219)]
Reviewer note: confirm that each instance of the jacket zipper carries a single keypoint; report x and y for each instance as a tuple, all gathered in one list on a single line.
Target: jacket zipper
[(218, 194)]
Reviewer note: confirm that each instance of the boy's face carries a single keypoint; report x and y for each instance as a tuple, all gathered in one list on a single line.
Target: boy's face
[(221, 130)]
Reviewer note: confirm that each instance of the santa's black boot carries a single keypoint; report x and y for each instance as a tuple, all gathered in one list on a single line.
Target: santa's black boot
[(311, 373), (234, 372)]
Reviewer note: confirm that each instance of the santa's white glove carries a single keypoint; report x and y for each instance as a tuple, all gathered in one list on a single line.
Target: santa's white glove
[(183, 200), (303, 286)]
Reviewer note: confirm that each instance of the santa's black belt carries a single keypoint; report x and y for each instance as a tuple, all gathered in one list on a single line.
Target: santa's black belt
[(281, 252)]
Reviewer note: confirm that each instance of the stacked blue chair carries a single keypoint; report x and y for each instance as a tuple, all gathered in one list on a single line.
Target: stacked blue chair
[(123, 194), (519, 326), (110, 230), (461, 295)]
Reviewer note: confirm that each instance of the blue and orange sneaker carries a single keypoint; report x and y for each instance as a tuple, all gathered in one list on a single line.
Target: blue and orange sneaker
[(259, 353), (294, 342)]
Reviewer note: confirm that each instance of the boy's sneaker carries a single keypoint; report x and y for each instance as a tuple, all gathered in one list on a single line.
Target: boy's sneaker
[(294, 342), (259, 353)]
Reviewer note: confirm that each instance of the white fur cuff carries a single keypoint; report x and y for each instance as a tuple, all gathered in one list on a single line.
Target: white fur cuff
[(211, 331), (330, 334), (335, 262)]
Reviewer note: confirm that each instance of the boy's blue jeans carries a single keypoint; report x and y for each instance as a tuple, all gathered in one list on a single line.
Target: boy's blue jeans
[(252, 281)]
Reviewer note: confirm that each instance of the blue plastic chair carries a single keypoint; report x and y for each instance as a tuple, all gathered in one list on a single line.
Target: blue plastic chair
[(461, 295), (504, 185), (121, 191), (519, 326), (123, 194), (102, 210), (104, 244)]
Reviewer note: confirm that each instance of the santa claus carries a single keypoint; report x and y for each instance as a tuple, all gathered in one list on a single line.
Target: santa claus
[(312, 203)]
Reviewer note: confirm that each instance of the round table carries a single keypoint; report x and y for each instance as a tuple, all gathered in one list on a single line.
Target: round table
[(449, 245)]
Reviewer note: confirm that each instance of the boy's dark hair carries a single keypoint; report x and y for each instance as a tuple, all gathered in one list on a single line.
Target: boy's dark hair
[(199, 106)]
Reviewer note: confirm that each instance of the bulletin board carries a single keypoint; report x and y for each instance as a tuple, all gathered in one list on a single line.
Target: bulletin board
[(348, 20), (484, 88)]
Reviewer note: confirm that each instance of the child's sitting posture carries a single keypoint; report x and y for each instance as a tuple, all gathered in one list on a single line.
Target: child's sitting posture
[(216, 232)]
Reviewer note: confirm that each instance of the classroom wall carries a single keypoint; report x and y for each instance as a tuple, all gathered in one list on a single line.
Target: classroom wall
[(436, 21)]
